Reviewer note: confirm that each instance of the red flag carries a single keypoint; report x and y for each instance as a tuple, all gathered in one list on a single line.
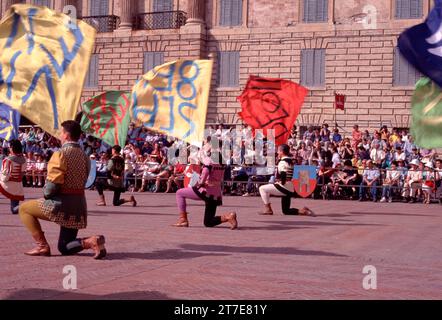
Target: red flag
[(270, 103), (339, 101)]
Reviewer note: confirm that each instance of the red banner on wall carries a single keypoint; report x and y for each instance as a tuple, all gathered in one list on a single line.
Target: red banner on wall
[(270, 103), (339, 101)]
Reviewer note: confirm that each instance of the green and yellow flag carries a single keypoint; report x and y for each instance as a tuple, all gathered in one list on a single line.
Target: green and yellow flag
[(426, 126), (107, 117), (44, 58), (172, 99)]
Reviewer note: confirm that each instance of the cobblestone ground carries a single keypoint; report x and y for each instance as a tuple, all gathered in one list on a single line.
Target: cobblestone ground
[(268, 257)]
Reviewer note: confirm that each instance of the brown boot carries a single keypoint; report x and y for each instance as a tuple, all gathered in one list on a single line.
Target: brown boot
[(42, 248), (95, 243), (182, 222), (267, 210), (231, 218), (306, 212), (134, 202), (102, 201)]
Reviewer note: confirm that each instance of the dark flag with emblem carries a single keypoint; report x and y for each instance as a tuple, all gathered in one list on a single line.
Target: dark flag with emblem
[(269, 103)]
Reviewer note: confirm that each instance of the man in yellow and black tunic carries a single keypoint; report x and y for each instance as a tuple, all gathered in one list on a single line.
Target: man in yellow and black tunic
[(64, 201)]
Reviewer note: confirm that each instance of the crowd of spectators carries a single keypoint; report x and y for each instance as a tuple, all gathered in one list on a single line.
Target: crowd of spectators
[(382, 165)]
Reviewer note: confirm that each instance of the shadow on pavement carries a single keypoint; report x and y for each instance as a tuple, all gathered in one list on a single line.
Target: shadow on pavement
[(105, 213), (170, 254), (43, 294), (390, 214), (319, 223), (261, 250)]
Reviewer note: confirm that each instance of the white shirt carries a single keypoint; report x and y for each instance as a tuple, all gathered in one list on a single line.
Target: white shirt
[(377, 155)]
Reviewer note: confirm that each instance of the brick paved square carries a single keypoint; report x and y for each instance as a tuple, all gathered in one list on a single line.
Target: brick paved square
[(268, 257)]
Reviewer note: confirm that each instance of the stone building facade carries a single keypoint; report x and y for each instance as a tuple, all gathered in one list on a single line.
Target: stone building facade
[(345, 46)]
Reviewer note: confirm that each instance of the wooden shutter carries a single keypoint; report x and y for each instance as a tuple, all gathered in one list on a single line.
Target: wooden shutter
[(151, 60), (234, 69), (236, 13), (225, 13), (321, 11), (99, 7), (408, 9), (307, 68), (313, 67), (228, 69), (415, 9), (162, 5), (309, 10), (404, 74), (319, 67), (45, 3)]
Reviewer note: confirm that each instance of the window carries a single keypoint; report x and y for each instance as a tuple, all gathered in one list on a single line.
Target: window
[(92, 74), (315, 10), (404, 74), (163, 18), (151, 60), (99, 7), (313, 67), (228, 69), (44, 3), (230, 13), (408, 9)]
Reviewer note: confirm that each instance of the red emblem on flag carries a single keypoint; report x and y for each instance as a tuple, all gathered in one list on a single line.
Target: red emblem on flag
[(269, 103)]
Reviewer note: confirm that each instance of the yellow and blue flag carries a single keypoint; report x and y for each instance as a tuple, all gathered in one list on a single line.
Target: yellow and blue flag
[(44, 58), (172, 99), (9, 122)]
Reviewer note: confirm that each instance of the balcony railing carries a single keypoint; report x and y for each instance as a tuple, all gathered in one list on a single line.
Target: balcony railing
[(103, 23), (160, 20)]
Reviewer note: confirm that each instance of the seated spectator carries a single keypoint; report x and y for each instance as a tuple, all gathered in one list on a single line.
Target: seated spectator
[(350, 177), (39, 172), (176, 178), (399, 154), (30, 168), (324, 134), (377, 155), (165, 172), (370, 179), (438, 168), (129, 172), (257, 175), (102, 166), (413, 182), (393, 178), (429, 177), (336, 136)]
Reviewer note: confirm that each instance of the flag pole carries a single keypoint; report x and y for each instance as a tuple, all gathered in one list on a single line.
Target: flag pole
[(334, 104)]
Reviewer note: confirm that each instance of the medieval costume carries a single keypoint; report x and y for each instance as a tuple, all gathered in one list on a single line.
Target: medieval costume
[(209, 190), (114, 181), (283, 187), (64, 203), (11, 176)]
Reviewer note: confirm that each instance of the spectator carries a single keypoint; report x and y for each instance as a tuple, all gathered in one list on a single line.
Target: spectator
[(40, 169), (413, 182), (356, 137), (308, 134), (370, 179), (336, 136), (429, 177), (392, 179)]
